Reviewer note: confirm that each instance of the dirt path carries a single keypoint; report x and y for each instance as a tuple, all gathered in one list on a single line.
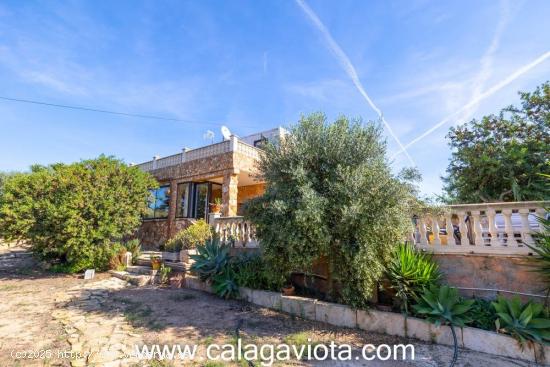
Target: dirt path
[(103, 319)]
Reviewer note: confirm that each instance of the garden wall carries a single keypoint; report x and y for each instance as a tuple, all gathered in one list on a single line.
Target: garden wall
[(505, 273), (386, 323)]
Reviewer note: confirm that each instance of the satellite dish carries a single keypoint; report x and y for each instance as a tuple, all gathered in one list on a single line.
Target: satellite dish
[(226, 133)]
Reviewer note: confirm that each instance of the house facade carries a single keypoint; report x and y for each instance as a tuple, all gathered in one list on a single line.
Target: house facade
[(191, 181)]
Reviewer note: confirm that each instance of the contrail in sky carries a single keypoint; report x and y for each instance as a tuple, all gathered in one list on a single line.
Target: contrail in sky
[(348, 67), (489, 92), (487, 60)]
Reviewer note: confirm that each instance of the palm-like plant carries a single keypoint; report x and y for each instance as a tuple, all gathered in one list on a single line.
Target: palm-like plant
[(542, 249), (410, 271), (224, 284), (211, 259), (526, 323), (444, 306)]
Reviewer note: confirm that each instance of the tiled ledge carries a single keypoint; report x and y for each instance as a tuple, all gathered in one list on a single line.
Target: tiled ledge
[(385, 322)]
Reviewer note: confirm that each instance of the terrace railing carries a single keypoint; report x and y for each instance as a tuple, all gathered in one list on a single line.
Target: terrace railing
[(236, 231), (491, 228), (187, 155)]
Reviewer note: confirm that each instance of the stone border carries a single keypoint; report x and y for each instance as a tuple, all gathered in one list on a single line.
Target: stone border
[(385, 322)]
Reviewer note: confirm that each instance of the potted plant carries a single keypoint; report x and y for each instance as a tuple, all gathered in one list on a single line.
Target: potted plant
[(216, 206), (156, 261), (288, 289), (183, 244)]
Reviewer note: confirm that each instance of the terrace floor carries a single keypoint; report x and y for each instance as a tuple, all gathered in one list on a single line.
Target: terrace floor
[(102, 319)]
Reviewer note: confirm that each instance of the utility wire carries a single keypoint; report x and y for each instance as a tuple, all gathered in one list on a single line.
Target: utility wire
[(89, 109)]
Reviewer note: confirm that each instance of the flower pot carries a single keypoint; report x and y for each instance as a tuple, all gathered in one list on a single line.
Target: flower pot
[(288, 290), (215, 208), (155, 264), (184, 255), (171, 256)]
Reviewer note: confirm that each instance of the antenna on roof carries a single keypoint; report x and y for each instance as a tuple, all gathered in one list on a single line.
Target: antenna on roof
[(225, 132), (209, 135)]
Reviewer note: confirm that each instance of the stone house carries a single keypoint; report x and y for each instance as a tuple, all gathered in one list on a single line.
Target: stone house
[(191, 181)]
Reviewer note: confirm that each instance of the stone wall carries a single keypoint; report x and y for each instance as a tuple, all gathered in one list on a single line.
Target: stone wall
[(152, 233), (248, 192), (507, 273)]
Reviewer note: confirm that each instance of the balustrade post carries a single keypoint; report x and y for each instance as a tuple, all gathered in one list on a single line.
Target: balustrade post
[(435, 230), (450, 229), (491, 215), (525, 227), (508, 228), (478, 230), (464, 241), (423, 232)]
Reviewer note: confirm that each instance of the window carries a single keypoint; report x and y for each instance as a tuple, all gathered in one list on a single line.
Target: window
[(194, 199), (182, 205), (159, 203)]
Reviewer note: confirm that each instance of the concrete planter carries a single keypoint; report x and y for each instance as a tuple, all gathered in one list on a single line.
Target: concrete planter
[(184, 256), (171, 256)]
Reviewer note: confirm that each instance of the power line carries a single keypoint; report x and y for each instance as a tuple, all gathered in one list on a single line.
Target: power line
[(89, 109)]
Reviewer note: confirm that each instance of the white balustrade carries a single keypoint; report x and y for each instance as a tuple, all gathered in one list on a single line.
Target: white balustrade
[(236, 231), (234, 144), (488, 228)]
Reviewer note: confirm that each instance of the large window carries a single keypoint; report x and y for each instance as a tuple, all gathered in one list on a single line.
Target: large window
[(159, 203), (182, 205), (195, 198)]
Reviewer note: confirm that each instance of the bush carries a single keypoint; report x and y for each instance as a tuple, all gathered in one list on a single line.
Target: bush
[(71, 214), (252, 272), (197, 233), (330, 192), (134, 247), (118, 254), (411, 271), (483, 315)]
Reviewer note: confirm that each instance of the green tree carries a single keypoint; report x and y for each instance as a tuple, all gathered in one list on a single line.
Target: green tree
[(73, 213), (330, 193), (499, 157)]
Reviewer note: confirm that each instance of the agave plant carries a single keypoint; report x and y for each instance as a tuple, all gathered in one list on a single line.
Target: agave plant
[(526, 323), (542, 249), (444, 306), (410, 271), (224, 284), (211, 259)]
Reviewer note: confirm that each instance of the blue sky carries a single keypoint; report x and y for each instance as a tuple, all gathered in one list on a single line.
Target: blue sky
[(254, 65)]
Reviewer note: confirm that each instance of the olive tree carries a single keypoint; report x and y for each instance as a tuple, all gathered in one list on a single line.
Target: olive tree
[(73, 213), (330, 194)]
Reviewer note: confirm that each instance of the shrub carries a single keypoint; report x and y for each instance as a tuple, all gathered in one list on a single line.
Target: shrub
[(73, 213), (118, 254), (330, 192), (444, 306), (197, 233), (526, 323), (252, 272), (411, 271), (164, 273), (483, 315), (134, 247)]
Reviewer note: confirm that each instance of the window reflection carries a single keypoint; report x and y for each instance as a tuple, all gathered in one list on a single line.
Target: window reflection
[(159, 203)]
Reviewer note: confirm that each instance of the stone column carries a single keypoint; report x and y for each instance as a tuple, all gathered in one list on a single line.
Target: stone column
[(172, 209), (229, 194)]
